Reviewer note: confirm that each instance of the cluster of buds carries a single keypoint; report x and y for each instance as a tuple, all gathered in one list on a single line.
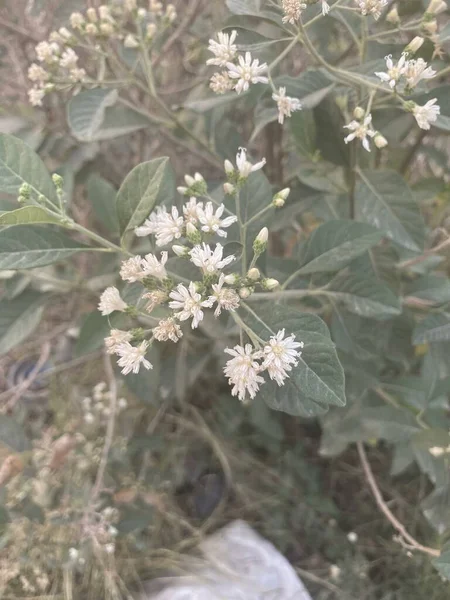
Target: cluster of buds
[(429, 24), (96, 409)]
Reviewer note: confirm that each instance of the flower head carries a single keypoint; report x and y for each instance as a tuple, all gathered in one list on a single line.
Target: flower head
[(115, 339), (191, 211), (220, 83), (153, 267), (131, 269), (68, 59), (292, 10), (361, 130), (110, 301), (426, 114), (156, 297), (224, 50), (280, 354), (166, 226), (416, 71), (325, 7), (226, 298), (167, 329), (247, 71), (244, 166), (286, 104), (132, 357), (242, 371), (210, 261), (211, 221), (37, 73), (35, 96), (394, 71), (372, 7), (189, 303)]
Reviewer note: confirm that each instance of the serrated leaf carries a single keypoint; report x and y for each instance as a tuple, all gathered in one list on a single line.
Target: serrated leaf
[(365, 296), (434, 328), (86, 111), (334, 245), (27, 215), (30, 246), (383, 199), (20, 164), (318, 380), (147, 185), (19, 318), (102, 196)]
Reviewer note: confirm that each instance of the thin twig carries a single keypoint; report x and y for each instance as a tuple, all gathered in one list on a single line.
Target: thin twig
[(418, 259), (413, 544)]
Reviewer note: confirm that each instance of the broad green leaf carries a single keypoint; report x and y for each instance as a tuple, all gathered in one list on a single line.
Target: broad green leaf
[(20, 164), (30, 246), (86, 111), (27, 215), (120, 120), (434, 328), (432, 288), (303, 129), (383, 199), (147, 185), (310, 87), (244, 7), (145, 384), (263, 116), (102, 196), (354, 335), (364, 296), (333, 245), (318, 379), (12, 435), (19, 318), (329, 136), (92, 333)]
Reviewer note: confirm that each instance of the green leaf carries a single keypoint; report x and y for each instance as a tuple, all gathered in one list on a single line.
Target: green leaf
[(86, 111), (27, 215), (442, 562), (334, 245), (383, 199), (145, 384), (434, 328), (329, 138), (12, 435), (30, 246), (310, 87), (20, 164), (92, 333), (303, 129), (318, 380), (147, 185), (365, 296), (120, 120), (244, 7), (102, 196), (19, 318), (431, 288)]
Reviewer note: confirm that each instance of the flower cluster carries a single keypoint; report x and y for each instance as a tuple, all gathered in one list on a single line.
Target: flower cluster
[(361, 129), (372, 7), (409, 72), (192, 228), (293, 10), (277, 357), (57, 67), (95, 408)]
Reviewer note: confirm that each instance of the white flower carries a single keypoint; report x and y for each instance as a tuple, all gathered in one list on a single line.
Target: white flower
[(130, 41), (131, 269), (115, 339), (153, 267), (286, 104), (325, 7), (335, 572), (226, 298), (110, 548), (436, 451), (220, 83), (292, 10), (426, 114), (68, 59), (37, 73), (47, 52), (372, 7), (156, 298), (167, 329), (132, 357), (77, 75), (36, 95), (416, 70), (189, 303), (73, 553), (436, 6), (361, 131), (394, 72), (111, 301), (211, 222), (210, 261), (279, 356), (76, 20), (244, 166), (247, 71), (166, 226), (242, 371), (224, 50), (191, 209)]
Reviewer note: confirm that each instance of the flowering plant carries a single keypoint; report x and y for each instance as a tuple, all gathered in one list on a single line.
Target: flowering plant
[(304, 259)]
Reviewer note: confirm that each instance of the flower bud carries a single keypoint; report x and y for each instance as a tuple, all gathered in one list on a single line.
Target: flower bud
[(392, 16), (103, 11), (106, 28), (231, 279), (254, 274), (91, 29), (180, 250), (25, 190), (245, 292), (76, 20), (270, 284), (229, 169), (189, 180), (181, 189), (57, 180), (151, 30), (130, 41), (414, 45), (380, 141), (229, 188), (193, 234), (262, 236), (142, 13), (91, 14), (436, 6), (359, 113), (278, 202), (430, 26)]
